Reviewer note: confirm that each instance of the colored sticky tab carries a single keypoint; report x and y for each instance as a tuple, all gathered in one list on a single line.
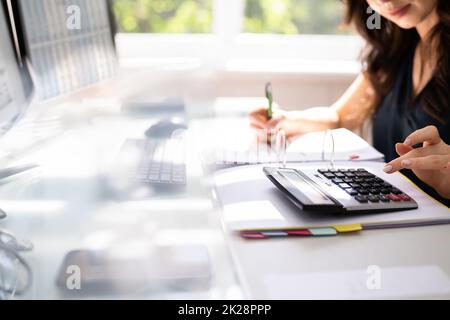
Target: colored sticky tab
[(253, 235), (274, 233), (348, 228), (323, 232), (299, 233)]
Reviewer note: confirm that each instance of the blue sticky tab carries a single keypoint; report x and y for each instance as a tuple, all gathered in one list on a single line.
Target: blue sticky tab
[(274, 233), (322, 232)]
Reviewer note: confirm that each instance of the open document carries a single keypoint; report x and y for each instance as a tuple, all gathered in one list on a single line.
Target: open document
[(237, 144)]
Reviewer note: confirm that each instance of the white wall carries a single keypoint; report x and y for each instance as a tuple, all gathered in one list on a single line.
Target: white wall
[(291, 91), (304, 70)]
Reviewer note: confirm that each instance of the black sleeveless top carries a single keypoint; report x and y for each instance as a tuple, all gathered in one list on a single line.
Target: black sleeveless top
[(399, 115)]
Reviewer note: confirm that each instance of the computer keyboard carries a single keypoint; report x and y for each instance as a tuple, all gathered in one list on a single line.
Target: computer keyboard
[(162, 161)]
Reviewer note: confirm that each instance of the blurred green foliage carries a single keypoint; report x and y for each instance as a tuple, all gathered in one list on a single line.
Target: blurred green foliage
[(294, 16), (261, 16), (164, 16)]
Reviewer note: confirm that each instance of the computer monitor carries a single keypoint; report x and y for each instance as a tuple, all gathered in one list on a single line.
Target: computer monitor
[(69, 43), (15, 91)]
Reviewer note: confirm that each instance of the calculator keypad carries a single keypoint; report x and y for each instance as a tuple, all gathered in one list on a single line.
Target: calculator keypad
[(364, 186)]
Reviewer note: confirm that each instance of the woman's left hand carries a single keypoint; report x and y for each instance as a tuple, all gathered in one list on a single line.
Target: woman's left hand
[(430, 163)]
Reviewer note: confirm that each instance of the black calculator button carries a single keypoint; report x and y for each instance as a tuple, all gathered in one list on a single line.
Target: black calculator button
[(350, 174), (385, 191), (329, 175), (322, 171), (364, 175), (363, 191), (374, 199), (342, 170), (396, 191), (337, 181), (375, 191), (362, 170), (352, 192), (344, 186), (361, 199), (387, 185), (384, 199), (348, 180), (365, 185), (377, 185), (339, 175), (355, 185)]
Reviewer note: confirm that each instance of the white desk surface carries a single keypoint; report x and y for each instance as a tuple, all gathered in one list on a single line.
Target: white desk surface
[(63, 207), (337, 266)]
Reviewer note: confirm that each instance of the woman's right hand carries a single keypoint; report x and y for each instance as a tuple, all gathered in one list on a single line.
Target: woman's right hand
[(281, 120)]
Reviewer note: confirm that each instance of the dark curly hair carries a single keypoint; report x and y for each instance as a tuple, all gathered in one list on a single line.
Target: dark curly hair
[(387, 47)]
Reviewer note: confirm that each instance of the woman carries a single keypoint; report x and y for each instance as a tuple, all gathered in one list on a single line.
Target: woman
[(404, 90)]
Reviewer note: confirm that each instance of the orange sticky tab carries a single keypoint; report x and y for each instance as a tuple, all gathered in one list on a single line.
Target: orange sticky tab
[(348, 228)]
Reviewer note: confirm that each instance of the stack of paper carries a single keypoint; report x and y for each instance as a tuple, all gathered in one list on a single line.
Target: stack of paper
[(243, 148)]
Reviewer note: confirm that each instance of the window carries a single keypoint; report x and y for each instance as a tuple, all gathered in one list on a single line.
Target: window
[(294, 16), (260, 16), (163, 16), (267, 35)]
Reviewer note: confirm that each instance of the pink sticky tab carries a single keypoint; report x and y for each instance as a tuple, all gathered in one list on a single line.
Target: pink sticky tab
[(252, 235), (300, 233)]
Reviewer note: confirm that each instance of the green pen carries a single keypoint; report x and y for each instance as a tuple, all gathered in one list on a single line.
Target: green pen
[(269, 96)]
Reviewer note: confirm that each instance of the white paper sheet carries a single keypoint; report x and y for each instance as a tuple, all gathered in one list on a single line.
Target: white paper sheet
[(236, 143), (400, 282)]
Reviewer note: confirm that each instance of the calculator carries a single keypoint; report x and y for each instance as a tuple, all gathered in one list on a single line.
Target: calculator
[(339, 190)]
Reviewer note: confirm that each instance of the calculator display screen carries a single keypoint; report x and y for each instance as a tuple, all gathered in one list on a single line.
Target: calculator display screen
[(305, 187)]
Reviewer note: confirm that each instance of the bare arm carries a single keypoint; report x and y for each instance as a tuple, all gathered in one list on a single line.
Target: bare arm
[(356, 105), (350, 112)]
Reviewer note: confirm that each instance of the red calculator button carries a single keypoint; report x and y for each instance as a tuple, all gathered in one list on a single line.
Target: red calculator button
[(404, 197), (394, 197)]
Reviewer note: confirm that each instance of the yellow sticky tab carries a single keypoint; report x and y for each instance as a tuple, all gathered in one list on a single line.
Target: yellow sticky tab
[(348, 228)]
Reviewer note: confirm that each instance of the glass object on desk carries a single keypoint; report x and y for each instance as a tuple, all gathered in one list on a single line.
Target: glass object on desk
[(15, 273), (329, 147), (276, 144), (260, 147)]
